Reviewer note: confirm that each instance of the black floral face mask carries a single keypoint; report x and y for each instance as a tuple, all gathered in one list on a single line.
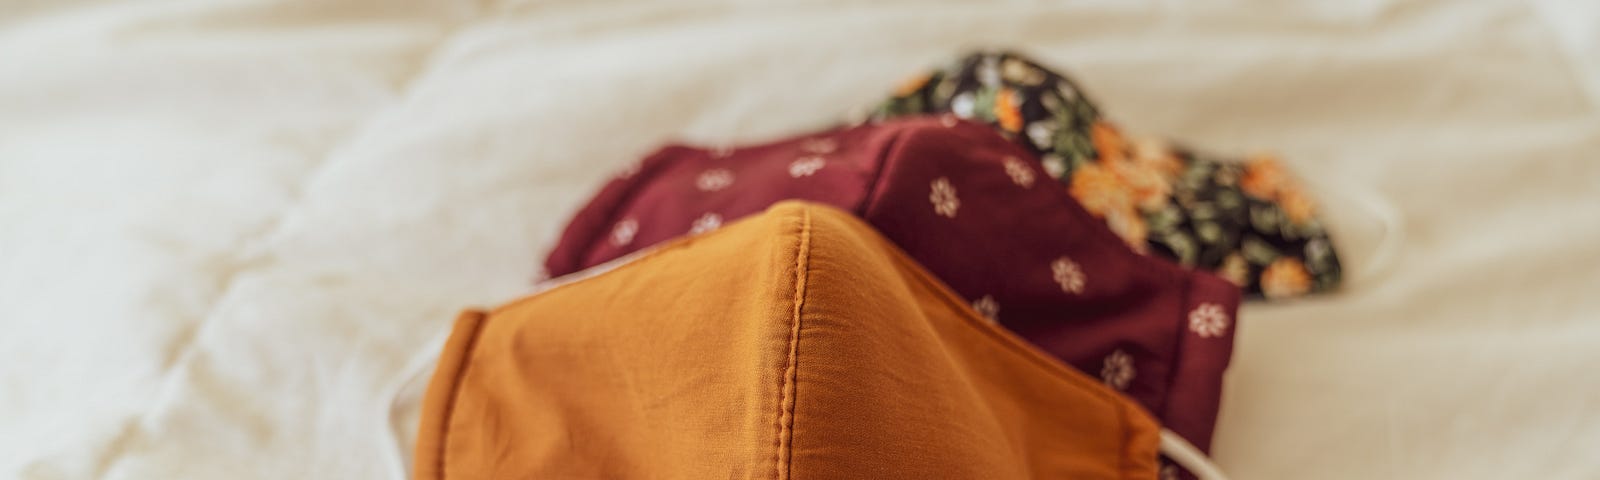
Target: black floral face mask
[(1246, 220)]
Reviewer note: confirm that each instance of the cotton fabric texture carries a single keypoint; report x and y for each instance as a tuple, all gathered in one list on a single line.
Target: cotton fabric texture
[(1246, 220), (798, 343), (206, 203), (976, 210)]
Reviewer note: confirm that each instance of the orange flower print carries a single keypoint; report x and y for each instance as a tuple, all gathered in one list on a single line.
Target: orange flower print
[(1007, 110), (1296, 205), (1107, 142), (911, 85), (1285, 277), (1100, 190), (1150, 189), (1153, 154), (1130, 227), (1263, 177)]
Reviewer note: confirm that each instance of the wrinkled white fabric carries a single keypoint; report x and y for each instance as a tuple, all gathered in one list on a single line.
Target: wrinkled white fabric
[(227, 226)]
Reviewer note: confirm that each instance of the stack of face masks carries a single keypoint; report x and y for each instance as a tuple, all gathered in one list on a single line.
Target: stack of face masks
[(986, 279)]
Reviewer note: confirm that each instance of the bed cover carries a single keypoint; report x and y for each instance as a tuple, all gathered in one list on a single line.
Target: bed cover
[(230, 230)]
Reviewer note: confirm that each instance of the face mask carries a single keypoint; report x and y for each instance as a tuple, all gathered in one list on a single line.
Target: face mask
[(1246, 220), (978, 212), (797, 343)]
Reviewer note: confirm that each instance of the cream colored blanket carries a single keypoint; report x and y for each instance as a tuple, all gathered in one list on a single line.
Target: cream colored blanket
[(231, 229)]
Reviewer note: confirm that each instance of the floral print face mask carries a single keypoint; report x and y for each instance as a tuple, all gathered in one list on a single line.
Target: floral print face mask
[(1246, 220), (977, 212)]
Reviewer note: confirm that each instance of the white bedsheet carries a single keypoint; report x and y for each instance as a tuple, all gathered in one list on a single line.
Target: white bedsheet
[(226, 226)]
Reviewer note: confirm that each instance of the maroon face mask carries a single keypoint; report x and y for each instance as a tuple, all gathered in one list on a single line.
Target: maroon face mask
[(978, 212)]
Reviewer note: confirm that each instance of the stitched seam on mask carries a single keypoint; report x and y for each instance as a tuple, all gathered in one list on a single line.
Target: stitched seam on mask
[(641, 256), (786, 386), (455, 391)]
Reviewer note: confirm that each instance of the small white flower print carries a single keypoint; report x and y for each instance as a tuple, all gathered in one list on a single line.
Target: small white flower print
[(819, 146), (944, 198), (1118, 370), (1066, 91), (1019, 172), (1208, 320), (714, 179), (1054, 166), (1318, 247), (623, 232), (1068, 274), (987, 307), (705, 223), (1042, 133), (989, 72), (948, 120), (962, 105), (806, 166)]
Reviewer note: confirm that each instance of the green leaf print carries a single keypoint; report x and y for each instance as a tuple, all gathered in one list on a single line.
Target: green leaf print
[(1258, 252)]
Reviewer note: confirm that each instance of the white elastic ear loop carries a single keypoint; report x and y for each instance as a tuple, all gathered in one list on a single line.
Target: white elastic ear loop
[(417, 368), (1394, 231), (1393, 228), (1184, 453)]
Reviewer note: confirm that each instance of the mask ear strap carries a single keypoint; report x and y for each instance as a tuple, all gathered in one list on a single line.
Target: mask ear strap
[(413, 377), (1190, 458), (1394, 230)]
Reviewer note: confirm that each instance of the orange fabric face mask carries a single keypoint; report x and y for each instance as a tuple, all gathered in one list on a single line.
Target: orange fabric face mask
[(794, 344)]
